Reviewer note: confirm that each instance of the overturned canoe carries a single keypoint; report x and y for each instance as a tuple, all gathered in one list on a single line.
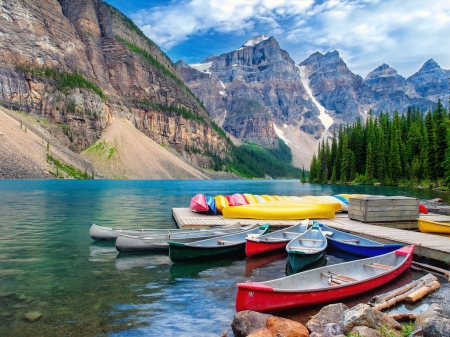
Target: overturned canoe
[(279, 210), (323, 285), (198, 203), (274, 241)]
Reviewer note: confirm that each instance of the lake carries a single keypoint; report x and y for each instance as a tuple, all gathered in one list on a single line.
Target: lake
[(49, 264)]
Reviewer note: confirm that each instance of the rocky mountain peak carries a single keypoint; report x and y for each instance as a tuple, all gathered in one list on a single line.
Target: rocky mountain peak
[(386, 79), (382, 71), (254, 41), (430, 65)]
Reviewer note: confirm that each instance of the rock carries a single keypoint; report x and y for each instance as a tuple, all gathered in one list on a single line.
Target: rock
[(333, 329), (365, 315), (365, 331), (333, 313), (436, 327), (33, 316), (261, 332), (434, 311), (416, 333), (286, 327), (247, 321), (437, 200)]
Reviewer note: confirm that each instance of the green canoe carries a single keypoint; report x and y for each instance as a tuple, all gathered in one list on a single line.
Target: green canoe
[(232, 245)]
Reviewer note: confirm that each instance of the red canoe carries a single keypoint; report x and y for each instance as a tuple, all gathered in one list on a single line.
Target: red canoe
[(239, 199), (231, 200), (323, 285), (198, 203), (274, 241)]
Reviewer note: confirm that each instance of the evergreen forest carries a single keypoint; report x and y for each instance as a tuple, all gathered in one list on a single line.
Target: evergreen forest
[(390, 149)]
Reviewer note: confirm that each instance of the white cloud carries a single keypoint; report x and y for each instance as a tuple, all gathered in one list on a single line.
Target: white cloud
[(366, 33)]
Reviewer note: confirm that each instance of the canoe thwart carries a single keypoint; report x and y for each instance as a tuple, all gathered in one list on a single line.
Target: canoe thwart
[(305, 248), (340, 277), (312, 240), (225, 242), (378, 265), (274, 239), (350, 240), (295, 233)]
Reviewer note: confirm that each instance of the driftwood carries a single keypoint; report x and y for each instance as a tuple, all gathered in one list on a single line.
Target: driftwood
[(411, 316), (387, 300), (422, 292), (431, 269)]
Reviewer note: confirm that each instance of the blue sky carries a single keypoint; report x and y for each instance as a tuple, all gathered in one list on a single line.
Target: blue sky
[(366, 33)]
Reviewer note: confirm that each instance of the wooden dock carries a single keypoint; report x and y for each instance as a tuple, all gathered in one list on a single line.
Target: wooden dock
[(427, 245)]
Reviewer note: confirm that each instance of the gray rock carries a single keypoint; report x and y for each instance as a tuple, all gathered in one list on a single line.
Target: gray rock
[(244, 322), (333, 313), (416, 333), (332, 329), (366, 331), (365, 315), (433, 312), (436, 327)]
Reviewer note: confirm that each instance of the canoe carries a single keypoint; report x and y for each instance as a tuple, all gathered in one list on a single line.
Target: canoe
[(423, 209), (110, 234), (231, 200), (260, 199), (327, 284), (430, 226), (336, 204), (223, 246), (211, 205), (128, 243), (306, 248), (198, 203), (274, 241), (239, 199), (251, 199), (329, 198), (221, 203), (355, 244), (279, 210), (268, 198)]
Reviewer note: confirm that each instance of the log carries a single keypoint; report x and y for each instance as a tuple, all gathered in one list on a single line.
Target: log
[(444, 272), (406, 316), (422, 292), (386, 300)]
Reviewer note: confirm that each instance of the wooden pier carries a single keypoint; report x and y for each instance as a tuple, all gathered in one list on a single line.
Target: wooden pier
[(427, 245)]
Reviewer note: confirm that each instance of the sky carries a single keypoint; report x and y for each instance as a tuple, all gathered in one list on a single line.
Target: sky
[(367, 33)]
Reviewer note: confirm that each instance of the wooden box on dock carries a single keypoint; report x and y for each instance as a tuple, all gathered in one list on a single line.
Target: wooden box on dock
[(383, 209)]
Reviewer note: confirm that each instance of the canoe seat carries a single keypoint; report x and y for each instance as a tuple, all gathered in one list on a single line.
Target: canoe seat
[(295, 233), (305, 248), (336, 279), (351, 240), (312, 240), (378, 265), (275, 239), (225, 242)]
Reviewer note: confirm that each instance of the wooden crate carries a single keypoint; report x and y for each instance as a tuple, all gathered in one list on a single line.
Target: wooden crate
[(383, 209)]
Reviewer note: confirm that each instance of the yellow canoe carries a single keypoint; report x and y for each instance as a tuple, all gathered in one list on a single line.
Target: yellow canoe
[(279, 210), (429, 226), (268, 198), (251, 199), (221, 203)]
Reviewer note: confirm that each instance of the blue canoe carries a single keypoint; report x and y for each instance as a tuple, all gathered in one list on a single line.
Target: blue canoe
[(211, 205), (355, 244)]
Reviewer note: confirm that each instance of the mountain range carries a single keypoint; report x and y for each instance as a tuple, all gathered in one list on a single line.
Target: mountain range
[(85, 80), (257, 92)]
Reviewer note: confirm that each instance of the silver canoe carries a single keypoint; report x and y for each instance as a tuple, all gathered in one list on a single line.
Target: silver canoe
[(130, 243), (110, 234)]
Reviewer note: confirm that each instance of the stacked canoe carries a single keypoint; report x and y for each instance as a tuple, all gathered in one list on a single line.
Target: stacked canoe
[(271, 207)]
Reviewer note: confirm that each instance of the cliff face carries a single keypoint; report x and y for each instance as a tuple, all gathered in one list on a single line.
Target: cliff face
[(130, 75), (261, 72)]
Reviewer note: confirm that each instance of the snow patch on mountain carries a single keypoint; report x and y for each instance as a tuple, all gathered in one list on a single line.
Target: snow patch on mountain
[(253, 42), (280, 134), (204, 67), (325, 118)]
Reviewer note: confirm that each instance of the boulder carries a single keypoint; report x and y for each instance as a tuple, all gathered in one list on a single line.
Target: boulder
[(285, 327), (436, 327), (247, 321), (333, 313), (365, 315), (433, 312), (261, 332), (436, 200), (365, 331)]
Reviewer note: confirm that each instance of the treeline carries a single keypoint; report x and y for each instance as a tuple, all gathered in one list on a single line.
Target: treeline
[(254, 161), (406, 149)]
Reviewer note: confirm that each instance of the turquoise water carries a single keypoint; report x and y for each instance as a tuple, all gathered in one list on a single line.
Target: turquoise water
[(49, 264)]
